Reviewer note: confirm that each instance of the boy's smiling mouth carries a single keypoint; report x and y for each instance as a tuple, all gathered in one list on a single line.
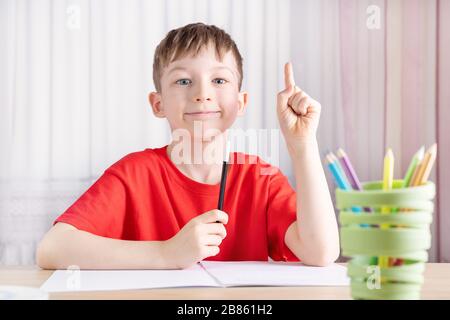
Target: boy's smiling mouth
[(202, 115)]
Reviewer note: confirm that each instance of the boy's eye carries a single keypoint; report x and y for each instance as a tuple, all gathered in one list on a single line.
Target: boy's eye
[(183, 81), (220, 81)]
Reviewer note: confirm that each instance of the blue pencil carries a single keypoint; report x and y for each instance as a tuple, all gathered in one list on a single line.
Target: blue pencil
[(338, 176), (337, 173)]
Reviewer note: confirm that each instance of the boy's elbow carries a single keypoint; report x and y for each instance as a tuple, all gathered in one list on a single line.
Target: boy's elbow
[(329, 253), (322, 259), (325, 260), (44, 254), (318, 262), (40, 256), (50, 250)]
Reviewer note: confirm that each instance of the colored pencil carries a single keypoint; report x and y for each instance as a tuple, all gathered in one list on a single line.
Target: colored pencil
[(339, 176), (388, 177), (350, 172), (429, 159), (415, 161), (337, 173)]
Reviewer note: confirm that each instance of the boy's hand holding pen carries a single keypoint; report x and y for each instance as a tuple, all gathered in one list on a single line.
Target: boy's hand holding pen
[(200, 238)]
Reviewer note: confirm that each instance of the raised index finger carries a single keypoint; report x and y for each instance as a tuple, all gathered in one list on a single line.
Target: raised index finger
[(288, 75)]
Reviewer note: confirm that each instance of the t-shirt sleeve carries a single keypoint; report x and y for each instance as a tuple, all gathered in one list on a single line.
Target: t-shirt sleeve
[(101, 209), (281, 213)]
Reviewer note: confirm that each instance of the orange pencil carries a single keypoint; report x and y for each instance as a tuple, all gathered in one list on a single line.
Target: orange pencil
[(423, 171)]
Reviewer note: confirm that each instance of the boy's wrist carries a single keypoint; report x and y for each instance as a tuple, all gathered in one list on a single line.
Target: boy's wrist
[(157, 252), (302, 148), (163, 254)]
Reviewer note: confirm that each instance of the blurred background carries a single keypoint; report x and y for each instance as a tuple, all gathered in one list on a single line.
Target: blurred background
[(74, 79)]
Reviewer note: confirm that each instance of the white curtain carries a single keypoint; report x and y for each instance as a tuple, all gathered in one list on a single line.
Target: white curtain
[(74, 81)]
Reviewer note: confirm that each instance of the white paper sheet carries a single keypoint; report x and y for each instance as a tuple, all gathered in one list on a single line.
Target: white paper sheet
[(102, 280), (208, 274), (260, 273)]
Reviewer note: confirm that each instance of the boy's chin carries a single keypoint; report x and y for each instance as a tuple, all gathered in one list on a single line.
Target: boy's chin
[(201, 131), (204, 133), (207, 136)]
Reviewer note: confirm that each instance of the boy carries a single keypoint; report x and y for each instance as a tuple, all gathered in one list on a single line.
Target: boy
[(150, 210)]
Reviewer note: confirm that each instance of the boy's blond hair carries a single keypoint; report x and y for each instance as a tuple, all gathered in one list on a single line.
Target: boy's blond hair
[(189, 40)]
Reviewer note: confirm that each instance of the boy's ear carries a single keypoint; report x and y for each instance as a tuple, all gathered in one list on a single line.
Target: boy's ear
[(155, 101), (243, 101)]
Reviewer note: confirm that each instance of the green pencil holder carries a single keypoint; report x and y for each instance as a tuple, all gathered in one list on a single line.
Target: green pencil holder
[(402, 234)]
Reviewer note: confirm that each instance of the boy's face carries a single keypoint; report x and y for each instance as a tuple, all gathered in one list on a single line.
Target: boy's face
[(200, 90)]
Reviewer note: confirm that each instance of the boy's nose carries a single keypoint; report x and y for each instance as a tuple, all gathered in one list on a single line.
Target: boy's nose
[(201, 99), (202, 92)]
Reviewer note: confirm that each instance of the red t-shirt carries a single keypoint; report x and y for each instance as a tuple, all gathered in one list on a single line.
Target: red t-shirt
[(144, 196)]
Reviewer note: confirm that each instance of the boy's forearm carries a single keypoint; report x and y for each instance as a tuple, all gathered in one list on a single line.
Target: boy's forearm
[(317, 226), (89, 251)]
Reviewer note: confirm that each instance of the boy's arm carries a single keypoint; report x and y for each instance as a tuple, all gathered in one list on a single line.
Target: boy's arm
[(315, 239), (200, 238), (65, 246)]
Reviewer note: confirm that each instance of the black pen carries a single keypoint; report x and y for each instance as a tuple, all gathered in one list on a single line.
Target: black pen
[(223, 179)]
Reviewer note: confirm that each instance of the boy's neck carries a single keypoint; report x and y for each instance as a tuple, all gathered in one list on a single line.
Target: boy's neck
[(201, 161)]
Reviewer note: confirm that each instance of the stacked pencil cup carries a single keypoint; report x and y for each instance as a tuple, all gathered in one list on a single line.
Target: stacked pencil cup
[(407, 238)]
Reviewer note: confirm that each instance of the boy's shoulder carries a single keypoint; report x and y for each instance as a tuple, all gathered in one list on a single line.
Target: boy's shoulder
[(136, 161)]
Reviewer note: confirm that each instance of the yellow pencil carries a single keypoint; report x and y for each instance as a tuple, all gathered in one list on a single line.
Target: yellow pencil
[(388, 178), (388, 174), (427, 165)]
